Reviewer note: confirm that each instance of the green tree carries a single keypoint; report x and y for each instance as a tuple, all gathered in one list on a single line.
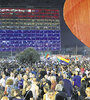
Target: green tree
[(28, 56)]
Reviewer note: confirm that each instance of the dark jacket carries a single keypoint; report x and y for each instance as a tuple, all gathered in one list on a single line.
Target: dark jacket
[(61, 96)]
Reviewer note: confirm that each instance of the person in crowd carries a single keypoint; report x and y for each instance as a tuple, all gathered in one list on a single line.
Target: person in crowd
[(20, 81), (9, 87), (80, 74), (25, 80), (28, 95), (6, 72), (60, 95), (5, 98), (88, 80), (82, 69), (82, 88), (46, 89), (77, 80), (42, 73), (17, 95), (33, 71), (77, 68), (87, 93), (11, 76), (47, 81), (60, 85), (27, 71), (50, 95), (84, 77), (35, 89), (42, 84), (30, 78), (3, 82), (53, 82), (68, 88)]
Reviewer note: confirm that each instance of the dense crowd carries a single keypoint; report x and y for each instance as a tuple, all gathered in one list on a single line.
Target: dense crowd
[(46, 81)]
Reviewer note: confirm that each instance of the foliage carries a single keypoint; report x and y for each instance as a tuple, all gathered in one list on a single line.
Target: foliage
[(28, 56)]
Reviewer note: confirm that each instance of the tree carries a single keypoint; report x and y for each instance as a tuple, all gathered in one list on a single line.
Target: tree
[(28, 56)]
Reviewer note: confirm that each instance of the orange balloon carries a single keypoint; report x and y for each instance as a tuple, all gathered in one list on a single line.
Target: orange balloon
[(77, 17)]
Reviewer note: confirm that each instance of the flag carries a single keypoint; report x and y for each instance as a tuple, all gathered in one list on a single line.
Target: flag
[(63, 60), (47, 56), (76, 58)]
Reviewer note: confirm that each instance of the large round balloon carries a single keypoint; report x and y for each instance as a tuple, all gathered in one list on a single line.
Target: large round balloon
[(77, 18)]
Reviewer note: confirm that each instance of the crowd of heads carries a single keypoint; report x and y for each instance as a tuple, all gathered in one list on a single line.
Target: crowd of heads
[(42, 81)]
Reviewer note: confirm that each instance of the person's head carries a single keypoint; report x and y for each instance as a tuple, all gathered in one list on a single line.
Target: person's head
[(53, 78), (6, 70), (80, 73), (35, 81), (64, 76), (51, 94), (32, 69), (33, 75), (61, 82), (59, 74), (46, 88), (83, 83), (89, 75), (76, 73), (58, 87), (52, 72), (5, 98), (88, 91), (3, 76), (12, 74), (16, 92), (19, 77), (46, 76), (25, 77), (30, 75), (28, 86), (43, 80), (27, 70), (9, 82), (84, 75)]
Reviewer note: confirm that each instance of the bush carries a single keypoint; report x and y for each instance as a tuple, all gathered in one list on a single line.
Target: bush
[(28, 56)]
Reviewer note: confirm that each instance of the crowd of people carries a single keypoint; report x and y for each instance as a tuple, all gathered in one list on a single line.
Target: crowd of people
[(46, 81)]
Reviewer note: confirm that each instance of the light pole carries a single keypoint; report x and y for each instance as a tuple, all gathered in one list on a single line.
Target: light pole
[(11, 51)]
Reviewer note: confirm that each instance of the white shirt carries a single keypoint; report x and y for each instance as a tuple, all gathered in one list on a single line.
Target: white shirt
[(34, 89), (77, 69), (87, 72), (3, 82)]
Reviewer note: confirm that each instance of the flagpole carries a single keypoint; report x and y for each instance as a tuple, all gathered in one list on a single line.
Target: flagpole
[(76, 49)]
